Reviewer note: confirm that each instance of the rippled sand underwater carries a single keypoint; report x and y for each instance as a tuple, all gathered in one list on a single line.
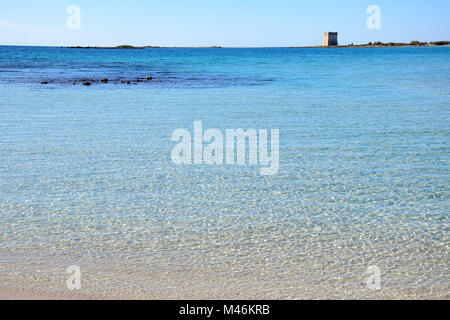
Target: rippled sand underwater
[(87, 180)]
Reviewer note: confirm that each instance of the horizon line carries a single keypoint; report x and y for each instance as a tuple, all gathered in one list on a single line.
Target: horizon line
[(377, 44)]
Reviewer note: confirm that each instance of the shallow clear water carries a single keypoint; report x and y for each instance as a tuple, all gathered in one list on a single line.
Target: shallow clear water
[(86, 176)]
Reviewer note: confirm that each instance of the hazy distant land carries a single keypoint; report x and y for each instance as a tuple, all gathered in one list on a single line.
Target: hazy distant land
[(367, 45)]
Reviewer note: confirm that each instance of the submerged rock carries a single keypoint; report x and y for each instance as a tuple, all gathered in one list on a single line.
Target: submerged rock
[(90, 81)]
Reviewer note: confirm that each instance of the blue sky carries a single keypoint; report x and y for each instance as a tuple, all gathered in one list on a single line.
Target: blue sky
[(240, 23)]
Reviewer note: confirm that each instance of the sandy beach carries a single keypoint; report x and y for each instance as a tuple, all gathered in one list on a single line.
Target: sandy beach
[(22, 294)]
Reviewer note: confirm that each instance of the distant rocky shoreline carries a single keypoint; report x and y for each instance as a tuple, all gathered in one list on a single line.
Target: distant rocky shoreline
[(367, 45), (387, 45), (131, 47)]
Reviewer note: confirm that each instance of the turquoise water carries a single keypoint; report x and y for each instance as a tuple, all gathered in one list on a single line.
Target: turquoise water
[(86, 176)]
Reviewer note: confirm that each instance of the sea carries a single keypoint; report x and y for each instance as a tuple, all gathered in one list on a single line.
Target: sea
[(358, 209)]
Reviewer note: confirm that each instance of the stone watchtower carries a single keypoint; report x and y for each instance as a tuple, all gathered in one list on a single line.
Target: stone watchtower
[(330, 39)]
